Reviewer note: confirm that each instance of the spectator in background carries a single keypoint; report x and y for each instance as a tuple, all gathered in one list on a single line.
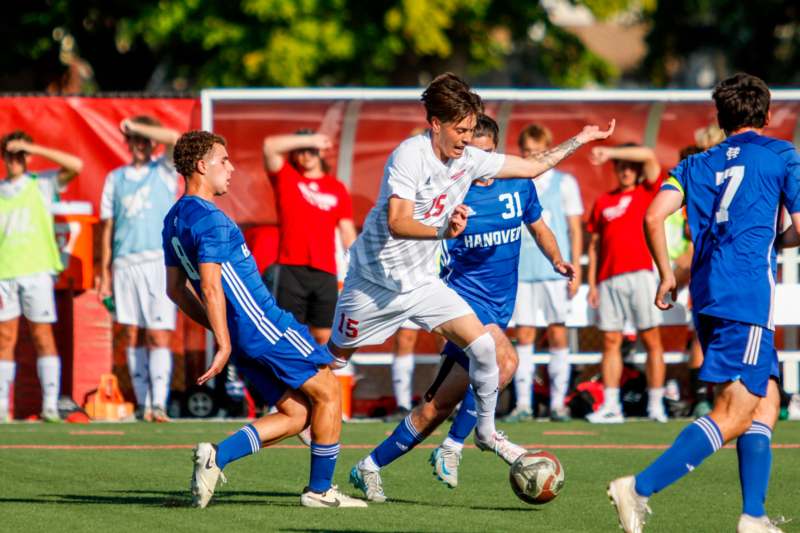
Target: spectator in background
[(29, 258), (543, 295), (622, 283), (136, 198), (312, 205)]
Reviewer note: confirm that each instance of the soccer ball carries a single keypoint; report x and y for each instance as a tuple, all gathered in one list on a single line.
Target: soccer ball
[(536, 477)]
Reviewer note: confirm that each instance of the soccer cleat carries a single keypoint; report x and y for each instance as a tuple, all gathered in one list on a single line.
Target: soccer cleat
[(369, 482), (605, 416), (560, 414), (159, 415), (330, 498), (518, 415), (445, 463), (145, 414), (205, 475), (50, 416), (632, 509), (305, 436), (657, 415), (762, 524), (500, 445)]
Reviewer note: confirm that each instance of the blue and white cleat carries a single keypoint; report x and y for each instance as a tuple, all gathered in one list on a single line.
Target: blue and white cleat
[(445, 463), (369, 482)]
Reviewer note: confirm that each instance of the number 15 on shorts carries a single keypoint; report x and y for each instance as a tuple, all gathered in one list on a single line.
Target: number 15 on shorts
[(348, 326)]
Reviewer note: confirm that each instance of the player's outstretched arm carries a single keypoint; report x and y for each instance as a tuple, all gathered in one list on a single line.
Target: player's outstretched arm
[(184, 297), (547, 243), (403, 225), (214, 296), (71, 165), (276, 146), (666, 202), (517, 167)]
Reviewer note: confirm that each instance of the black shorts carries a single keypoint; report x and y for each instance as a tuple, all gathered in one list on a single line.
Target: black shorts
[(309, 294)]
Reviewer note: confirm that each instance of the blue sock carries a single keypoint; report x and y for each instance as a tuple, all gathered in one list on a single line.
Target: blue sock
[(323, 463), (696, 442), (242, 443), (400, 442), (465, 419), (755, 463)]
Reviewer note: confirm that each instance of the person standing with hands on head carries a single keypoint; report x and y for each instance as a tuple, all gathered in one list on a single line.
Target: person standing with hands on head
[(312, 205), (135, 199), (622, 283), (29, 258)]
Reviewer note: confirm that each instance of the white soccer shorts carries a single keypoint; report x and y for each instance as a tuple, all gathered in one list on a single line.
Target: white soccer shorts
[(541, 303), (140, 296), (29, 295), (367, 313)]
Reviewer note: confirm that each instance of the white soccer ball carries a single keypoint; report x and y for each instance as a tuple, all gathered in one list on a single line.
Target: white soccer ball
[(536, 477)]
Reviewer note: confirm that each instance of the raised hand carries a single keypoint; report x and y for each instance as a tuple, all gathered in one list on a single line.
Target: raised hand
[(18, 145), (594, 133), (599, 155)]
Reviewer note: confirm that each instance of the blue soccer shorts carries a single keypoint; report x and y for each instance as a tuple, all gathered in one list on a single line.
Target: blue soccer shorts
[(735, 351)]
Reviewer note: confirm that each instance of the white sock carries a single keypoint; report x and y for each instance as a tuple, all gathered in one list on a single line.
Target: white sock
[(452, 445), (160, 376), (559, 370), (485, 379), (523, 377), (49, 369), (7, 371), (140, 376), (611, 399), (368, 463), (655, 403), (402, 379)]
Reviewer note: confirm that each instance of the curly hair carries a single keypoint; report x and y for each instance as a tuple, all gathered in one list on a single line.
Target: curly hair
[(16, 135), (450, 99), (191, 148)]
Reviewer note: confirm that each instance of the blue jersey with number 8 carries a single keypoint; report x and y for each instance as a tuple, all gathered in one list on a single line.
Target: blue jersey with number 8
[(733, 193)]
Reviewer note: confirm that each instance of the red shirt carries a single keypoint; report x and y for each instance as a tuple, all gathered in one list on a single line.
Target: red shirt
[(309, 210), (618, 217)]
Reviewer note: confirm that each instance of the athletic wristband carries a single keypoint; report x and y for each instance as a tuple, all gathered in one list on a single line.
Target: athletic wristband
[(441, 231)]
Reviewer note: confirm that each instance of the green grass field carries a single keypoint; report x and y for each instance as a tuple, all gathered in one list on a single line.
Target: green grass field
[(135, 477)]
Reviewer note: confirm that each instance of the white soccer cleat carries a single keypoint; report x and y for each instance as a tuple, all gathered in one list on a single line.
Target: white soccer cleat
[(500, 445), (445, 463), (658, 416), (761, 524), (305, 436), (205, 475), (605, 415), (330, 498), (369, 482), (632, 509)]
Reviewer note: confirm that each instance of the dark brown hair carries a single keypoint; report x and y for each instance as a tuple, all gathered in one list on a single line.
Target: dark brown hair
[(486, 127), (191, 148), (16, 135), (742, 101), (686, 151), (450, 99), (537, 132)]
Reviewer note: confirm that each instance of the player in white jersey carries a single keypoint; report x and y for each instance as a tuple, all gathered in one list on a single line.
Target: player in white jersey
[(392, 274), (29, 258), (135, 199)]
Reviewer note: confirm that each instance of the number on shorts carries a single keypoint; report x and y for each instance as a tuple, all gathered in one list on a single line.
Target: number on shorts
[(510, 200), (347, 326), (736, 174), (187, 266)]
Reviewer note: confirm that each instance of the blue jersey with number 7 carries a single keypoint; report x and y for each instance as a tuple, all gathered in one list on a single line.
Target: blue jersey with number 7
[(733, 193)]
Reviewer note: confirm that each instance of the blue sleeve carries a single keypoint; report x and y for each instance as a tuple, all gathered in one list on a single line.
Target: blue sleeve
[(212, 237), (533, 209), (790, 188)]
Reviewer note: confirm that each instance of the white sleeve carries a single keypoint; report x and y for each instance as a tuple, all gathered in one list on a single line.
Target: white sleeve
[(167, 172), (403, 173), (571, 196), (107, 198), (487, 164)]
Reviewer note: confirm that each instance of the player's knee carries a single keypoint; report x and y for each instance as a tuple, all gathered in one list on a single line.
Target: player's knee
[(612, 341), (483, 355), (325, 388), (43, 341)]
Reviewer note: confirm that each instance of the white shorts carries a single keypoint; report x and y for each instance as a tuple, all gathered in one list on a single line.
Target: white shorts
[(140, 296), (29, 295), (541, 303), (408, 324), (367, 313)]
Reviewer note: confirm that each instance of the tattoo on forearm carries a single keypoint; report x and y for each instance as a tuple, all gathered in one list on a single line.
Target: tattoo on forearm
[(554, 156)]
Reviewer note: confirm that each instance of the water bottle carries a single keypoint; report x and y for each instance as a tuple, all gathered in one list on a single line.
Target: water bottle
[(108, 302)]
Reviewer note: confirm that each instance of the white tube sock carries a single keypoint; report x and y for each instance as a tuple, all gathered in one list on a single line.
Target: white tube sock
[(611, 400), (160, 376), (559, 370), (48, 367), (655, 401), (140, 376), (523, 377), (485, 379), (7, 371), (403, 379)]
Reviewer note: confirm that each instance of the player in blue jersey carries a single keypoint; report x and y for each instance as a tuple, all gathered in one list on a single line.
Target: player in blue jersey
[(481, 266), (733, 193), (225, 294)]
